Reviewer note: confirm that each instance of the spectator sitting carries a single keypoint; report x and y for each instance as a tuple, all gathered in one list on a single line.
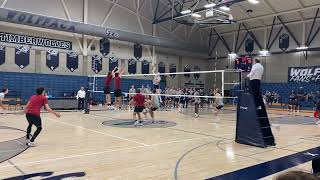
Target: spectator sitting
[(316, 166), (296, 175)]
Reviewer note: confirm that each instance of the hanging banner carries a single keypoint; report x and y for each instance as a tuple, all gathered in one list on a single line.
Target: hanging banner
[(196, 75), (2, 54), (145, 67), (22, 56), (96, 64), (172, 69), (187, 69), (104, 47), (284, 42), (249, 46), (72, 61), (137, 51), (132, 66), (113, 63), (304, 74), (161, 67), (52, 59)]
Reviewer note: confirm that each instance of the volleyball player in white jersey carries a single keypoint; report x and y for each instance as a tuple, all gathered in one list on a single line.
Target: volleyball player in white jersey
[(218, 101), (154, 103)]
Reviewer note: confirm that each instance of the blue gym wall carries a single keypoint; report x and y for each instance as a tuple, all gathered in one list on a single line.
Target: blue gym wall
[(23, 85)]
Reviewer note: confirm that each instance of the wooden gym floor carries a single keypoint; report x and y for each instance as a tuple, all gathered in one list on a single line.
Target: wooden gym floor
[(78, 146)]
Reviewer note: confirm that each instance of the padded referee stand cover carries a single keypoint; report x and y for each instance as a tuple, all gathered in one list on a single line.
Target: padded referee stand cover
[(253, 128)]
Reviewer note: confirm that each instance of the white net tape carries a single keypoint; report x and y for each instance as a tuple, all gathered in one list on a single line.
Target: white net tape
[(93, 82)]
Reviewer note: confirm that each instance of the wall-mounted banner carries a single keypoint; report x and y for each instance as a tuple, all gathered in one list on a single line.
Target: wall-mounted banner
[(196, 75), (104, 47), (304, 74), (72, 61), (284, 42), (187, 69), (2, 54), (172, 69), (22, 56), (113, 63), (52, 59), (34, 41), (161, 67), (145, 67), (132, 66), (137, 51), (96, 63), (249, 46)]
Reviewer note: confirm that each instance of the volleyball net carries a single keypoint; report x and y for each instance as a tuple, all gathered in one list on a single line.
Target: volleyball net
[(176, 85)]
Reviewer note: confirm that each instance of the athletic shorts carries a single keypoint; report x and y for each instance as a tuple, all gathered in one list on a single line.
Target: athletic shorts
[(117, 93), (138, 109), (154, 109), (34, 120), (106, 90), (219, 107), (156, 86)]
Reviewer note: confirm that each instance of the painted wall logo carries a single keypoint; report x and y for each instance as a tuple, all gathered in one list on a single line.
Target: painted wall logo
[(304, 74), (46, 22), (111, 34), (34, 41)]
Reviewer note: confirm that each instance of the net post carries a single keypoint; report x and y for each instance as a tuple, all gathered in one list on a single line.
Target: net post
[(240, 80), (222, 82), (94, 83)]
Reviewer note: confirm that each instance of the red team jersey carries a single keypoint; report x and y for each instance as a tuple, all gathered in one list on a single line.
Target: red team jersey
[(117, 83), (35, 104), (108, 81), (139, 100)]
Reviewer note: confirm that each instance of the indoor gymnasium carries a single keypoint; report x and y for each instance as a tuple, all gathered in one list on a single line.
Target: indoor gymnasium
[(160, 89)]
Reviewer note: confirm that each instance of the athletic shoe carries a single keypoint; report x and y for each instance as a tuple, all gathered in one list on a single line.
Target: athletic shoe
[(196, 115), (136, 123), (31, 144)]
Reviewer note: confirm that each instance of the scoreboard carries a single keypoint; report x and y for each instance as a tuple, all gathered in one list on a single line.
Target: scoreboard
[(243, 63)]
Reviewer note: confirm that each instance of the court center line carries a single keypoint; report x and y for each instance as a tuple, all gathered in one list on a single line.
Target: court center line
[(102, 152), (98, 132)]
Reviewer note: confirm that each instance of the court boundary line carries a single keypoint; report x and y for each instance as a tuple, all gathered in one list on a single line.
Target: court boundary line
[(98, 132), (102, 152)]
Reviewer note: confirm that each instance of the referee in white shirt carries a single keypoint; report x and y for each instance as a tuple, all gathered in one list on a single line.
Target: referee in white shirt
[(255, 76), (81, 96)]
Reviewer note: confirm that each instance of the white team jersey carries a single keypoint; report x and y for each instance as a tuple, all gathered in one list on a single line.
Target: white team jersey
[(1, 96)]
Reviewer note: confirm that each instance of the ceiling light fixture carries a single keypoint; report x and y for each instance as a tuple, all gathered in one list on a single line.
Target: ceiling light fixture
[(210, 5), (187, 11), (253, 1), (302, 48), (225, 8), (196, 15)]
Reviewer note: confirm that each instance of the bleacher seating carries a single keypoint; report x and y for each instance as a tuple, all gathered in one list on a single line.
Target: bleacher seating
[(284, 89)]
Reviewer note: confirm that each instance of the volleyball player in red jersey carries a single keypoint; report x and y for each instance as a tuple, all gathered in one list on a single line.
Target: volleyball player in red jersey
[(32, 111), (117, 89), (108, 80)]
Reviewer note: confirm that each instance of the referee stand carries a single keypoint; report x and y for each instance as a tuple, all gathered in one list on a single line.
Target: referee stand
[(253, 126)]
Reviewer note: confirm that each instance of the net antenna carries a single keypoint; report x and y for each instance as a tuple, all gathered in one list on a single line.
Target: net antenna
[(204, 13)]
